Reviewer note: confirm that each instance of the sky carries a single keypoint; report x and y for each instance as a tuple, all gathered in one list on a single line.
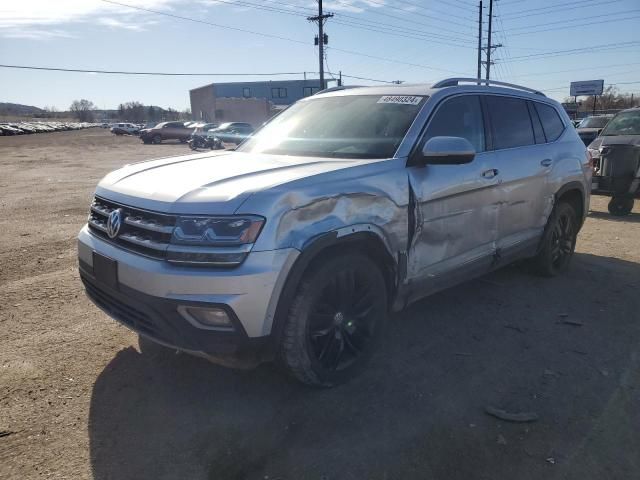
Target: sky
[(545, 45)]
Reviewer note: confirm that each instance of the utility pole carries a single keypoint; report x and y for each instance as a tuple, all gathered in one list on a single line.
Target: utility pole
[(490, 46), (321, 39), (489, 39), (480, 40)]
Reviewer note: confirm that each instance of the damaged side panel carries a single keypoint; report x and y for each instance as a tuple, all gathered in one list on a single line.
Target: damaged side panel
[(371, 197)]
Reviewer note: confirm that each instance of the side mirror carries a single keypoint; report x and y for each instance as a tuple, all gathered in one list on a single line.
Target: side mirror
[(447, 151)]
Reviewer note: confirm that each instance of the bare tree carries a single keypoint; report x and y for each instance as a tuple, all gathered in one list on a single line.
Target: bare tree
[(132, 112), (83, 110), (611, 99), (50, 112)]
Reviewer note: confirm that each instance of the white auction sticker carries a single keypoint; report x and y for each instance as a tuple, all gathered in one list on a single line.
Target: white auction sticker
[(400, 99)]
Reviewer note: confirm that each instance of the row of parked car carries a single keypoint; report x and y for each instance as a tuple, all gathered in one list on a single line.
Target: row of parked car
[(24, 128), (205, 134)]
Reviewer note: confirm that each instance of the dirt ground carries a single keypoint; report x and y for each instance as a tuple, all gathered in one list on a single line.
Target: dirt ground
[(79, 400)]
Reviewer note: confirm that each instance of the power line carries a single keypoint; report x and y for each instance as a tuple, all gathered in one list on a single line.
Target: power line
[(576, 25), (600, 68), (421, 37), (388, 28), (204, 22), (178, 74), (564, 22), (589, 49), (437, 19), (429, 9), (397, 28), (554, 8), (278, 37), (123, 72)]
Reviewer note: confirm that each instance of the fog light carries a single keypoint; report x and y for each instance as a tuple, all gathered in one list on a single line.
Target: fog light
[(212, 317)]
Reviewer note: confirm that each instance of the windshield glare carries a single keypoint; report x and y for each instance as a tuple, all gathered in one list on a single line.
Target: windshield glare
[(351, 126), (625, 123), (594, 122)]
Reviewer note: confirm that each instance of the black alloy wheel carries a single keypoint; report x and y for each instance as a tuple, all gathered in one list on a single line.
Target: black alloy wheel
[(339, 325), (558, 241), (562, 239), (335, 320)]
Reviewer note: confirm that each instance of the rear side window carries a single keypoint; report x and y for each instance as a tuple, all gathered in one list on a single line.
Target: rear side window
[(459, 117), (510, 121), (551, 122)]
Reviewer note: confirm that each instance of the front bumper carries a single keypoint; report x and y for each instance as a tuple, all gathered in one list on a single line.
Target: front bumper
[(149, 292)]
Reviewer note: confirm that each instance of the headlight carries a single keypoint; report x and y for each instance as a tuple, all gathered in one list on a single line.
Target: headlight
[(595, 152), (218, 231), (213, 241)]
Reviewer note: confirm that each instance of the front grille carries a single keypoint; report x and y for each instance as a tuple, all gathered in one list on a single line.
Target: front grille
[(130, 316), (142, 231)]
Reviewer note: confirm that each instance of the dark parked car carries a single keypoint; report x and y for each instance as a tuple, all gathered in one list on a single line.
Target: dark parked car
[(590, 127), (616, 154), (232, 132), (166, 131)]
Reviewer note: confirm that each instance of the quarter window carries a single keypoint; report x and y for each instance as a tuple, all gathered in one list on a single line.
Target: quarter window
[(459, 117), (551, 122), (246, 92), (537, 126), (510, 121)]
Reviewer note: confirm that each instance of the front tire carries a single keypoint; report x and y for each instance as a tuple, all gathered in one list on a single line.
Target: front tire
[(620, 206), (157, 139), (558, 241), (334, 320)]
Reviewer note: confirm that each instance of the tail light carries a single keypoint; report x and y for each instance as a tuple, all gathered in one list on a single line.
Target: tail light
[(590, 160)]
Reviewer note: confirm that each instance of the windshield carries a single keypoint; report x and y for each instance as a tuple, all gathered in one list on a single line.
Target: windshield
[(625, 123), (351, 126), (594, 122)]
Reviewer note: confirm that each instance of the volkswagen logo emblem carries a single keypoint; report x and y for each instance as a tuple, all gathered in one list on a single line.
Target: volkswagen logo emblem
[(114, 222)]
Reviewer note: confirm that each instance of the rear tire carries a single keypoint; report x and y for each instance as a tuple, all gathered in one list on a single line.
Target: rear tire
[(558, 241), (334, 321), (620, 206)]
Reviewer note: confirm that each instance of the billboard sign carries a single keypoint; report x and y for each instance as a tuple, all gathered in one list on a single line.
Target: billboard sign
[(588, 87)]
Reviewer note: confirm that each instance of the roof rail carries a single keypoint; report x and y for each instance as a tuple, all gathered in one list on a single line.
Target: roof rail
[(452, 82), (335, 89)]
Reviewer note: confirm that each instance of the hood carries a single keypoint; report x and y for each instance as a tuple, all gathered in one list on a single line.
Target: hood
[(615, 140), (203, 183)]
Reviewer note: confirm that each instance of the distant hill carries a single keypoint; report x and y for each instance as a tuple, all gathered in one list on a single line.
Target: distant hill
[(18, 109)]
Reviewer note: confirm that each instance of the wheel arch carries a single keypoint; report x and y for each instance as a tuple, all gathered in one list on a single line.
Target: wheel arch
[(574, 194), (365, 239)]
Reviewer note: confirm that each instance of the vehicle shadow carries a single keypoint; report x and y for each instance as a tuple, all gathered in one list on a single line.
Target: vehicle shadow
[(632, 217), (565, 348)]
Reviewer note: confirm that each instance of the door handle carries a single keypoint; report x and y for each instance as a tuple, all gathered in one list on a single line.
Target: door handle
[(546, 162), (490, 173)]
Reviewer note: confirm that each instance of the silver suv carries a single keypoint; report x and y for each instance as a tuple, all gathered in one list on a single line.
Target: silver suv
[(350, 204)]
